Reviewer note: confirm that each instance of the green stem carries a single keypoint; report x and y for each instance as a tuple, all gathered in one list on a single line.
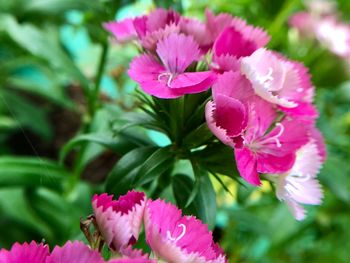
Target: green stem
[(94, 96), (93, 101)]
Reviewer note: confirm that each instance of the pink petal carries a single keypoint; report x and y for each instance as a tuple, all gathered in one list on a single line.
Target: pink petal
[(76, 252), (29, 253), (247, 166), (177, 52), (252, 34), (216, 24), (230, 114), (146, 70), (193, 82), (316, 135), (196, 29), (231, 42), (123, 30), (119, 220), (159, 18), (140, 25), (299, 185), (233, 84), (297, 210), (267, 163), (150, 40), (177, 238), (273, 79), (216, 130), (304, 110), (225, 63)]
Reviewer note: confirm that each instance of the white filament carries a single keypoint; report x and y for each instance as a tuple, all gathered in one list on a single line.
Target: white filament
[(180, 236), (169, 77)]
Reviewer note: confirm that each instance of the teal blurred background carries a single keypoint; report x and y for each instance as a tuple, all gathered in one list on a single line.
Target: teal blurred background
[(52, 52)]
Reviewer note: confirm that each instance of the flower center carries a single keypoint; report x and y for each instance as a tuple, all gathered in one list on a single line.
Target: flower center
[(276, 137), (167, 76), (175, 239), (266, 80)]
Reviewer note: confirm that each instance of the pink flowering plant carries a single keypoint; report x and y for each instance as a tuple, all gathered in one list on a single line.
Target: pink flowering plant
[(216, 111), (224, 100)]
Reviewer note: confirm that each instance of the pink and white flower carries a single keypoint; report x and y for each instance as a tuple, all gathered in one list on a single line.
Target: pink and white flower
[(167, 78), (299, 185), (119, 220), (177, 238)]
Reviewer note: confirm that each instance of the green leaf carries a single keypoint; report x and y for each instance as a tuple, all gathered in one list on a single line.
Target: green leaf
[(156, 164), (55, 211), (204, 203), (217, 158), (198, 136), (122, 177), (17, 215), (31, 172), (25, 112), (121, 143), (44, 44)]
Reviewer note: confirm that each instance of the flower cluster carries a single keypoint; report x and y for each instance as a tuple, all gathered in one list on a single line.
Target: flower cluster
[(320, 22), (262, 103), (171, 236)]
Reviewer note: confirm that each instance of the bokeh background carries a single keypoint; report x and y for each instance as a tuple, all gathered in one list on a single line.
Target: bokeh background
[(53, 51)]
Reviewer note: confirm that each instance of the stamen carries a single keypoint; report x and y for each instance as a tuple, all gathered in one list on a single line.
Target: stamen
[(180, 236), (276, 137), (169, 77)]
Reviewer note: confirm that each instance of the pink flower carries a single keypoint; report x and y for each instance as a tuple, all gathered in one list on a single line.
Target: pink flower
[(280, 81), (177, 238), (334, 35), (74, 252), (167, 78), (29, 253), (147, 29), (299, 185), (119, 220), (258, 150), (304, 23)]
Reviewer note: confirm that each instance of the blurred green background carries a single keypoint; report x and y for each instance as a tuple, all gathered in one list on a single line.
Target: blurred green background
[(55, 58)]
